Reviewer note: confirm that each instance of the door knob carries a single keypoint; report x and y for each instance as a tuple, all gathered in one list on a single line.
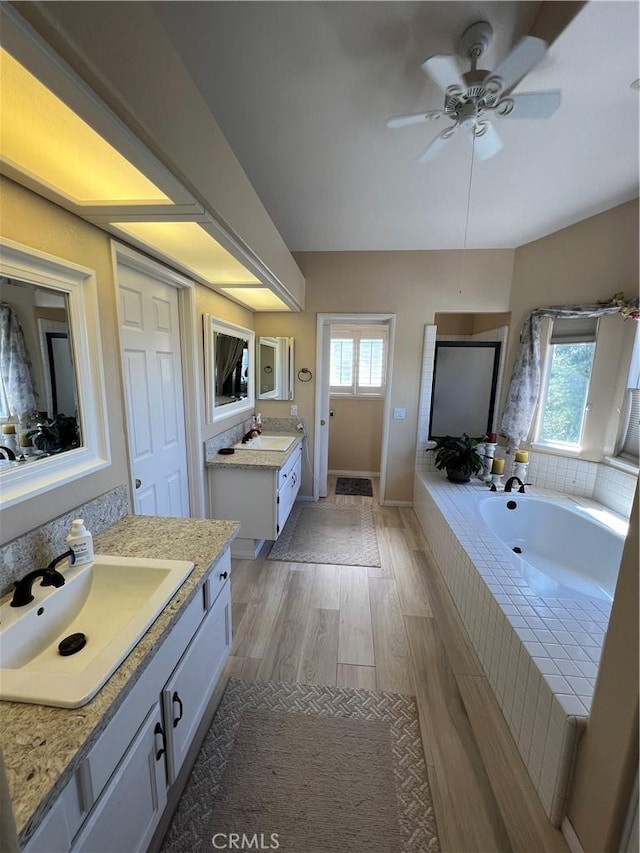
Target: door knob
[(138, 483)]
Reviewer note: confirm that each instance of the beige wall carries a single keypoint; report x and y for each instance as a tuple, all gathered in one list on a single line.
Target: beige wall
[(470, 324), (608, 756), (355, 435), (413, 285), (587, 262), (35, 222)]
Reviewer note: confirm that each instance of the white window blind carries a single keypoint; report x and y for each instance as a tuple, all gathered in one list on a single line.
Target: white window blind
[(358, 360), (575, 331)]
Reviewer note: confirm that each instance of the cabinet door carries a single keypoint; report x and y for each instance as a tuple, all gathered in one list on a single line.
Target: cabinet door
[(288, 493), (187, 692), (127, 812)]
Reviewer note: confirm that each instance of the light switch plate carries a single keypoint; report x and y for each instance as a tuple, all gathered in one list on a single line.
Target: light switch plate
[(294, 409), (399, 414)]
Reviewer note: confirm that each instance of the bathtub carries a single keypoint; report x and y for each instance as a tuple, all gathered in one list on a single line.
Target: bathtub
[(558, 549), (536, 619)]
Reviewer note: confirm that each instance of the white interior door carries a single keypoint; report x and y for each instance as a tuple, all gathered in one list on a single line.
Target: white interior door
[(152, 371)]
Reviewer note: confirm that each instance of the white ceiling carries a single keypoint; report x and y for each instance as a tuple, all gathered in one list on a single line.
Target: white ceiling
[(302, 91)]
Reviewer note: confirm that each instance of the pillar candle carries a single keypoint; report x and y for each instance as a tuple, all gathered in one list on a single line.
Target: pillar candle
[(498, 466), (492, 437), (522, 456), (8, 429)]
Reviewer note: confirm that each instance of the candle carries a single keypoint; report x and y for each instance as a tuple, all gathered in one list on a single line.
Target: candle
[(498, 466), (24, 440), (522, 455), (492, 437), (8, 429)]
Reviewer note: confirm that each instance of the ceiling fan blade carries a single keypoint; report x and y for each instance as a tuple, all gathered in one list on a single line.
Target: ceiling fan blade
[(445, 71), (436, 145), (531, 104), (487, 141), (413, 118), (525, 56)]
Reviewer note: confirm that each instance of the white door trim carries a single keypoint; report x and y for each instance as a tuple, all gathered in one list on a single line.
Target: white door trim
[(125, 256), (322, 389)]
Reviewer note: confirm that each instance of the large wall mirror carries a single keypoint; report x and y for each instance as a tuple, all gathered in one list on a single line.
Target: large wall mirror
[(229, 368), (274, 368), (464, 387), (52, 401)]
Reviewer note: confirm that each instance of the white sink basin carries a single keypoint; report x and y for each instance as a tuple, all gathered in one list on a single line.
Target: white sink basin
[(113, 601), (268, 442)]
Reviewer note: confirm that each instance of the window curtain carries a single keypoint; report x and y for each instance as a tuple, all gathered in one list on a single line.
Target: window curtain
[(228, 354), (15, 366), (524, 386)]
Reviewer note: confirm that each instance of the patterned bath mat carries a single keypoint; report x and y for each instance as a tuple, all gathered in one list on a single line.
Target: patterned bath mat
[(354, 486), (340, 534), (315, 769)]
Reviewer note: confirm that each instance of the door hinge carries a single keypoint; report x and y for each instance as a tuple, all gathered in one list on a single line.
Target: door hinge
[(278, 501)]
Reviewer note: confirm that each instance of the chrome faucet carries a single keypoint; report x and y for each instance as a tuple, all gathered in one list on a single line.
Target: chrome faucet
[(50, 577), (7, 453), (511, 481)]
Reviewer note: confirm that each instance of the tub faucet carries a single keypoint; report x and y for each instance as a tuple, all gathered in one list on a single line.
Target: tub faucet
[(510, 483)]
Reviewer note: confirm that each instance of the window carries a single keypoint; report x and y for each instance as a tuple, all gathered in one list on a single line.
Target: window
[(563, 402), (629, 441), (358, 360)]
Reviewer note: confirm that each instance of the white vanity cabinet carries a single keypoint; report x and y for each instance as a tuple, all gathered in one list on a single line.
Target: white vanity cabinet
[(117, 796), (260, 498)]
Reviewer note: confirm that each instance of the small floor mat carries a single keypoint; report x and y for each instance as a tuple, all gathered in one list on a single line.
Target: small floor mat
[(354, 486)]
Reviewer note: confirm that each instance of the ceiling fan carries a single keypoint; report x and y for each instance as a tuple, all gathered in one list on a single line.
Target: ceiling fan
[(473, 98)]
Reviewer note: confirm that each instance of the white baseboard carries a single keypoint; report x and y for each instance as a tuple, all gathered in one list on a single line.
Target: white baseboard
[(339, 473), (570, 835), (246, 549), (397, 503)]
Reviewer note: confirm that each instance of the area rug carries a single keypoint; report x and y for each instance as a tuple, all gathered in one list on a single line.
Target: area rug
[(354, 486), (308, 769), (340, 534)]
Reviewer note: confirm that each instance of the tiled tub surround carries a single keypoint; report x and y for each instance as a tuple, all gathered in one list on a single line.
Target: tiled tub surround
[(43, 746), (37, 548), (540, 654)]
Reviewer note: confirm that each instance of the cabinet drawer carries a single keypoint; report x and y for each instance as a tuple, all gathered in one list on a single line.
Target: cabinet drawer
[(187, 692), (217, 579), (285, 472)]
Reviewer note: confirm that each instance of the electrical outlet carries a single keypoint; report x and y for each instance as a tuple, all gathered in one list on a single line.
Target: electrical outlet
[(294, 410), (399, 414)]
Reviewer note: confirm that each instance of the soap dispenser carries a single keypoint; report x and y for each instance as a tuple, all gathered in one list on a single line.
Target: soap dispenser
[(80, 541)]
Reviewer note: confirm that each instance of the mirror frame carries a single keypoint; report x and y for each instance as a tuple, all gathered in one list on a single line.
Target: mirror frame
[(211, 326), (283, 348), (80, 285)]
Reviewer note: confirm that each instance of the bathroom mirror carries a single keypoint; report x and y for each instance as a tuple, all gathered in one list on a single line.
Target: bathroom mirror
[(464, 387), (229, 368), (52, 401), (274, 368)]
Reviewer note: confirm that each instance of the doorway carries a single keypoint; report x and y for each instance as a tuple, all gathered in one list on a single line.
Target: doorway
[(156, 325), (323, 392)]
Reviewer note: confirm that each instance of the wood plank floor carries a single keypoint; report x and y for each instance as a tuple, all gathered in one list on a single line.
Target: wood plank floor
[(396, 628)]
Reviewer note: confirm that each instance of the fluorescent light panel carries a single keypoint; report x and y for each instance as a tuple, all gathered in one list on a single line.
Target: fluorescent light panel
[(190, 246), (44, 138), (256, 298)]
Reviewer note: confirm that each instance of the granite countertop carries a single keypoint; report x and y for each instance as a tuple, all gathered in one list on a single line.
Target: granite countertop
[(42, 745), (245, 458)]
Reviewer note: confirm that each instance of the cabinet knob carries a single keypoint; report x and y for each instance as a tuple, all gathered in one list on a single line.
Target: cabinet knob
[(160, 731), (176, 698), (224, 576)]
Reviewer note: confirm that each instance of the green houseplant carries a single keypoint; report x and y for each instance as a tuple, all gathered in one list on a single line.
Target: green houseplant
[(457, 455)]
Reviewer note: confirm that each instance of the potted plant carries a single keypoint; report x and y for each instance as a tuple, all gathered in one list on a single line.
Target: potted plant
[(53, 435), (457, 454)]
